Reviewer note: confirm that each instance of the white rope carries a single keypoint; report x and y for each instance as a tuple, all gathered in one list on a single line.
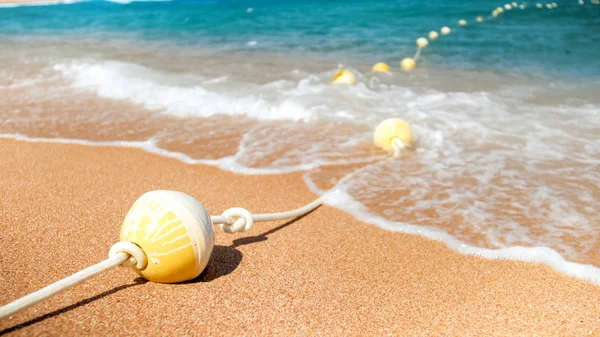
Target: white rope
[(239, 219), (417, 54), (398, 146), (125, 253)]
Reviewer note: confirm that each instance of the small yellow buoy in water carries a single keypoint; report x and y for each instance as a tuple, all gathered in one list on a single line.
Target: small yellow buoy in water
[(344, 76), (462, 22), (554, 5), (522, 6), (445, 30), (389, 129), (549, 6), (500, 10), (381, 67), (514, 4), (422, 42), (538, 5), (495, 13), (507, 7), (479, 19), (408, 64), (581, 2), (433, 35), (174, 231)]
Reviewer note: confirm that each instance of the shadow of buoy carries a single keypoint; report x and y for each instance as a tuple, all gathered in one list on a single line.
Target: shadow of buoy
[(224, 260)]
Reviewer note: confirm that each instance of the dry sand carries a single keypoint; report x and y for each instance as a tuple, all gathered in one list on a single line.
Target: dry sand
[(61, 208)]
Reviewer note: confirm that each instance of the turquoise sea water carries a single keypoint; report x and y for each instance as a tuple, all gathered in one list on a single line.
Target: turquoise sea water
[(505, 113), (559, 41)]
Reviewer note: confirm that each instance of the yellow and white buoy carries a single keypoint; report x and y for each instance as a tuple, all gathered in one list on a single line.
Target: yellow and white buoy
[(381, 67), (174, 231), (422, 42), (344, 76), (408, 64), (462, 22), (393, 134), (433, 35), (507, 7), (479, 19), (445, 30)]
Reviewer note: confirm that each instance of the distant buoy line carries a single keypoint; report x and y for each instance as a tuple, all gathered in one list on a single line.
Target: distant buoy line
[(409, 63)]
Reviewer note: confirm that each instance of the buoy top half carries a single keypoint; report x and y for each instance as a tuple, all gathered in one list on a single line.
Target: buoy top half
[(381, 67)]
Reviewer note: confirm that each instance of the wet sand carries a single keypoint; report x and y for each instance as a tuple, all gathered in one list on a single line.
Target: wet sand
[(61, 208)]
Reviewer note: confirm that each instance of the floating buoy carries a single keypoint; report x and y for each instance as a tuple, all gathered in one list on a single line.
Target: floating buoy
[(495, 13), (462, 22), (507, 7), (250, 10), (522, 6), (549, 6), (344, 76), (174, 231), (581, 2), (445, 30), (422, 42), (539, 5), (390, 129), (554, 4), (479, 19), (500, 10), (381, 67), (408, 64), (514, 4), (433, 35)]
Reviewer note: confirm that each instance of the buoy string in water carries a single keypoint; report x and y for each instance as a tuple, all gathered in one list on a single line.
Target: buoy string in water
[(409, 64)]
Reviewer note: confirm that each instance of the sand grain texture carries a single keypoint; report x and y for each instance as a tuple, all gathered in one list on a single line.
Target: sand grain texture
[(61, 208)]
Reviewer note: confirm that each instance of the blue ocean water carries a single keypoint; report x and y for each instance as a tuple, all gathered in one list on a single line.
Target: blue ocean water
[(556, 41)]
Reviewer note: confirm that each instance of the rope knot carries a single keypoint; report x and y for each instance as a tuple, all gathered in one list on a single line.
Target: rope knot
[(137, 257), (239, 220)]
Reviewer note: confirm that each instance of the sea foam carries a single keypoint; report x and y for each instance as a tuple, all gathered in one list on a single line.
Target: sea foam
[(339, 198)]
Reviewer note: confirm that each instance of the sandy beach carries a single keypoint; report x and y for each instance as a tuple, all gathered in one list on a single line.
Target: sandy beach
[(326, 273)]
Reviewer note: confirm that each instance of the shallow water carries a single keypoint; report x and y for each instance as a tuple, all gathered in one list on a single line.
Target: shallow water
[(506, 122)]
